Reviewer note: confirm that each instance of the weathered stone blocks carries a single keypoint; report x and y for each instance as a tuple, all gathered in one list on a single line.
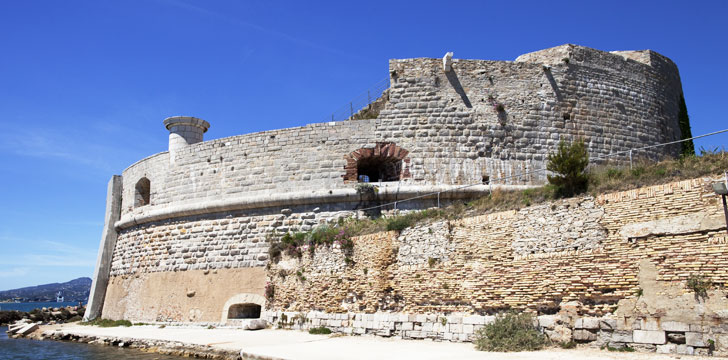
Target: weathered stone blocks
[(649, 337)]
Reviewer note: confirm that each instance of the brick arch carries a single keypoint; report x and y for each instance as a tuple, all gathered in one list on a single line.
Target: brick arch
[(383, 152)]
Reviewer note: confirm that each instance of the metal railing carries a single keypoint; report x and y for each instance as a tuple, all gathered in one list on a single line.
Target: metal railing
[(360, 102), (437, 193)]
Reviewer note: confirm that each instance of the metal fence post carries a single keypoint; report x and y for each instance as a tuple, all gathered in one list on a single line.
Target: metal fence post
[(438, 200), (630, 159)]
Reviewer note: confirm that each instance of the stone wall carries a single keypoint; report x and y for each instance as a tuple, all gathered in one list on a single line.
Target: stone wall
[(213, 208), (612, 102), (296, 159), (198, 296), (446, 124), (216, 241), (584, 257)]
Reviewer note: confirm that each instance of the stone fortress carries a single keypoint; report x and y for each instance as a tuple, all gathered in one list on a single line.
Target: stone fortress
[(187, 230)]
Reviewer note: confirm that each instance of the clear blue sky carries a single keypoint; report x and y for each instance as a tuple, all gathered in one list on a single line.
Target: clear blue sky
[(85, 85)]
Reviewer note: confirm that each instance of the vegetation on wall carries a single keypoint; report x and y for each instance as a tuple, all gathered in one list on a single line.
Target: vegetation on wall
[(600, 179), (293, 244), (699, 284)]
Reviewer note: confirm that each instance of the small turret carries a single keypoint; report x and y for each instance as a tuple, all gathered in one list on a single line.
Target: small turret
[(183, 131)]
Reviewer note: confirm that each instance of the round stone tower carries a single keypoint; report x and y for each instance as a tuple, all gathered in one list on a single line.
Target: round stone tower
[(183, 131)]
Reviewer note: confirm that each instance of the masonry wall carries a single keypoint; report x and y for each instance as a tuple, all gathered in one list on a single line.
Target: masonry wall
[(215, 207), (295, 159), (624, 257), (610, 100), (447, 126)]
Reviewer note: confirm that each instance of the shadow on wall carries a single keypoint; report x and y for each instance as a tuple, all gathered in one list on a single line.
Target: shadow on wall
[(554, 85), (452, 77)]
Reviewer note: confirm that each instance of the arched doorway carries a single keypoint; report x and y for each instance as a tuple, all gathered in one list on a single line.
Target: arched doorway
[(243, 306), (383, 162)]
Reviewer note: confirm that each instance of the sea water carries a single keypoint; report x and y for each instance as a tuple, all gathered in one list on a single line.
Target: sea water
[(22, 349)]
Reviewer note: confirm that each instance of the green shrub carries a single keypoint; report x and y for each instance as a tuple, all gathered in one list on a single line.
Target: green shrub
[(510, 332), (568, 345), (107, 323), (569, 164), (638, 171), (399, 223), (614, 173), (624, 348), (700, 285), (319, 331)]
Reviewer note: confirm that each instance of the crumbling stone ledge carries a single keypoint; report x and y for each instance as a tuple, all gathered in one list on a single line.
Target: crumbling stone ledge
[(643, 334), (156, 346)]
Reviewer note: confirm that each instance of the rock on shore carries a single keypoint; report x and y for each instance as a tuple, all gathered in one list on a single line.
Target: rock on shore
[(156, 346), (44, 315)]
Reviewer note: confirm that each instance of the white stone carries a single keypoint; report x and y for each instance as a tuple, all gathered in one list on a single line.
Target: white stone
[(667, 349), (649, 337), (27, 329), (548, 321), (474, 320), (447, 61), (695, 339), (675, 326)]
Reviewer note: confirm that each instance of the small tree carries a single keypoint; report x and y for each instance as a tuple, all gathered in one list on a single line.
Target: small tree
[(569, 164)]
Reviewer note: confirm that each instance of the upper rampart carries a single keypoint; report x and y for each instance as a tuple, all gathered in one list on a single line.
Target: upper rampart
[(479, 122)]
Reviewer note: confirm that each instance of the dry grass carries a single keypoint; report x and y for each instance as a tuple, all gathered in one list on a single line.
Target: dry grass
[(610, 178), (602, 179)]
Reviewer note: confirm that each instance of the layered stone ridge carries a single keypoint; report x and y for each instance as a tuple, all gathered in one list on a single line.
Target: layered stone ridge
[(587, 282), (488, 263)]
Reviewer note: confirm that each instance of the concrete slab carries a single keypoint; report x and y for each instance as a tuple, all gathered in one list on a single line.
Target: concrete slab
[(27, 329)]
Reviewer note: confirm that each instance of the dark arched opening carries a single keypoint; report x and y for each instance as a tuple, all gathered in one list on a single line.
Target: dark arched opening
[(244, 311), (383, 162), (374, 169), (142, 192)]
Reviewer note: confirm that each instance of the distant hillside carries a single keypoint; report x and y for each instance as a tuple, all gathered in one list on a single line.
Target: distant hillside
[(74, 290)]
